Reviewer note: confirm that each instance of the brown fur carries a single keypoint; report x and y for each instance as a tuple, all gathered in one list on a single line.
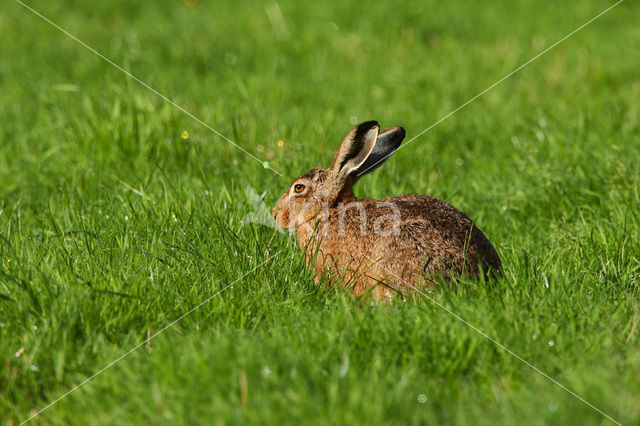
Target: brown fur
[(363, 245)]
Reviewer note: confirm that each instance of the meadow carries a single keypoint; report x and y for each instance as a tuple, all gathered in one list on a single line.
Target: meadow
[(115, 223)]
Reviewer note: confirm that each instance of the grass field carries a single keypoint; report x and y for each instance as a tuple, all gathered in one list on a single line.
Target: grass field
[(112, 225)]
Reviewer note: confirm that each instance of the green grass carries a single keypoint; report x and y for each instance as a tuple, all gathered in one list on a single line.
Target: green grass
[(112, 225)]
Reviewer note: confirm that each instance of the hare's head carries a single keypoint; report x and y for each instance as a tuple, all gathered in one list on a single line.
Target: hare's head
[(311, 195)]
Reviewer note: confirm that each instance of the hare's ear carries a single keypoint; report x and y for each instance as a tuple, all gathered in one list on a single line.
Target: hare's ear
[(354, 151), (387, 143)]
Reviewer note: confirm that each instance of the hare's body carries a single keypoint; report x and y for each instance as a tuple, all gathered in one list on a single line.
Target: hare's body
[(383, 246), (430, 239)]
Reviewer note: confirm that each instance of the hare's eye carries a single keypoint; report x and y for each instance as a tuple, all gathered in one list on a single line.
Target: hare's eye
[(298, 188)]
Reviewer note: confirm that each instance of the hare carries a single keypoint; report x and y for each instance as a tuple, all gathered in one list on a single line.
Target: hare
[(385, 246)]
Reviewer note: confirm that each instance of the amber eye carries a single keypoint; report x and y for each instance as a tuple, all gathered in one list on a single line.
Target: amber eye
[(298, 188)]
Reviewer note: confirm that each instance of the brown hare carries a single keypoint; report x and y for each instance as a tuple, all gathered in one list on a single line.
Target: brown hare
[(378, 246)]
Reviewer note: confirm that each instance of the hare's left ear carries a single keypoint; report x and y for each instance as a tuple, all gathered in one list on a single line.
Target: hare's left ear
[(387, 143), (353, 152)]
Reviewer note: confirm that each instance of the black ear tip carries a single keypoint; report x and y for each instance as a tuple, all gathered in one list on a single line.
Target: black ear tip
[(361, 129), (395, 132), (367, 125)]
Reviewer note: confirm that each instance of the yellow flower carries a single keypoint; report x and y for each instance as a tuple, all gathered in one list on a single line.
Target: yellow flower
[(185, 135), (280, 144)]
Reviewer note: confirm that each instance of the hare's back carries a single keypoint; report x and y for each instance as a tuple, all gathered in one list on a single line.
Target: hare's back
[(435, 237), (409, 235)]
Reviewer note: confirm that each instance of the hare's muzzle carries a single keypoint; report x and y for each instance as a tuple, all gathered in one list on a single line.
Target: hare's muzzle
[(277, 216)]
